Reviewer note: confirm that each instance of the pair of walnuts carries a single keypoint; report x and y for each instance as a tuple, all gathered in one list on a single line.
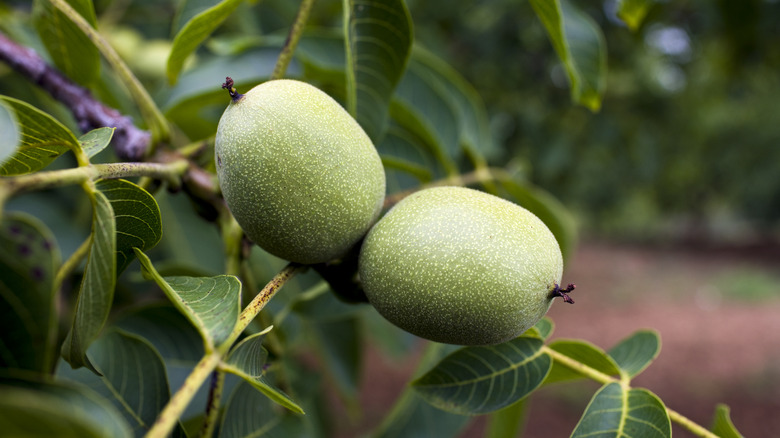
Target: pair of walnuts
[(449, 264)]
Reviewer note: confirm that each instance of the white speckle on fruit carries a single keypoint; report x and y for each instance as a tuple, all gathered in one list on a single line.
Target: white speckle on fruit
[(460, 266), (299, 174)]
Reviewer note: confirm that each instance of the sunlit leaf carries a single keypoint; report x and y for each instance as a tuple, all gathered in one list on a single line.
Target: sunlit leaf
[(477, 380), (247, 360), (212, 304), (197, 29), (133, 377), (378, 37), (722, 425), (9, 133), (29, 409), (29, 258), (42, 139), (71, 50), (581, 47), (96, 140), (633, 12), (548, 209), (619, 412), (636, 352), (138, 222), (581, 351), (97, 286)]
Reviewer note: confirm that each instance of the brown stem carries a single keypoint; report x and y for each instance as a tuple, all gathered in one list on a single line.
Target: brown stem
[(131, 143)]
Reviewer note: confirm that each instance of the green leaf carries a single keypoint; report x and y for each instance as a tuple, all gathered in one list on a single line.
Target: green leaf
[(583, 352), (97, 286), (247, 360), (133, 377), (473, 124), (212, 304), (636, 352), (412, 417), (196, 101), (32, 409), (42, 139), (423, 106), (581, 47), (423, 420), (322, 52), (722, 425), (29, 259), (408, 161), (509, 421), (249, 413), (618, 412), (340, 346), (9, 133), (197, 29), (169, 332), (633, 12), (322, 306), (545, 327), (378, 37), (71, 50), (477, 380), (138, 222), (549, 209), (96, 140)]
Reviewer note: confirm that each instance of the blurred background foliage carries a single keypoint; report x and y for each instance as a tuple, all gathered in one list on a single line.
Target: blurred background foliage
[(685, 145)]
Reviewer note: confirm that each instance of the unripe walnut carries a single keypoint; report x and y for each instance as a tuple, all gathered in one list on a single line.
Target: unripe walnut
[(299, 174), (460, 266)]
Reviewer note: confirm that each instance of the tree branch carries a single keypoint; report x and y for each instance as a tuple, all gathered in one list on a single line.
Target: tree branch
[(130, 142)]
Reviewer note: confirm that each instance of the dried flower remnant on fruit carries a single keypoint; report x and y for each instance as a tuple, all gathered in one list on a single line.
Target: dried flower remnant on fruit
[(234, 94), (563, 292)]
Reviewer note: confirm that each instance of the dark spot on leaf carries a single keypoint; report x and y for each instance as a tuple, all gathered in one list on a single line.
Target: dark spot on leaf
[(37, 273), (24, 250), (15, 229), (47, 245)]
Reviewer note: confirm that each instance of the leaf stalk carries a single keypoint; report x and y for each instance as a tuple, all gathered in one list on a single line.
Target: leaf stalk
[(602, 378)]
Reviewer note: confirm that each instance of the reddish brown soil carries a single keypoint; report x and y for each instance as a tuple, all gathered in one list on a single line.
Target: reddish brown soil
[(716, 347)]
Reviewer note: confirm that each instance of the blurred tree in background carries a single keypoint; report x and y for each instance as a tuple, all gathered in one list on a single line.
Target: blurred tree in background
[(687, 139)]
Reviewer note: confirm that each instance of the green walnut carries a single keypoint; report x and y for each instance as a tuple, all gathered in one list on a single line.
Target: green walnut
[(299, 174), (460, 266)]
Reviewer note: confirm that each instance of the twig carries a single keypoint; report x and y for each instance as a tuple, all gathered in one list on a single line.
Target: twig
[(212, 410), (149, 110), (176, 405), (130, 142), (292, 39)]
